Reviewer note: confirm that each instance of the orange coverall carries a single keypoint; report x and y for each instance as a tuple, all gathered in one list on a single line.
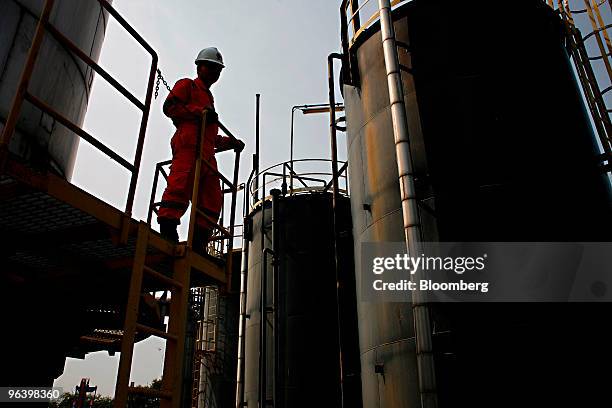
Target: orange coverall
[(184, 106)]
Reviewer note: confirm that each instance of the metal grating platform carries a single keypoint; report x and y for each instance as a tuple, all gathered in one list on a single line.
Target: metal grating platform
[(37, 212), (65, 247)]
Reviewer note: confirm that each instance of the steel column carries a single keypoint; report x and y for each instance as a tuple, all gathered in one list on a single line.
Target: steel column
[(131, 317), (172, 378)]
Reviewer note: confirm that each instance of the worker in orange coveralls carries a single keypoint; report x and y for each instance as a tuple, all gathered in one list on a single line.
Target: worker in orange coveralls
[(184, 105)]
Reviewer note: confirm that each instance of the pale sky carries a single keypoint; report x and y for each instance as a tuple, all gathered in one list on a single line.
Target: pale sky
[(277, 48)]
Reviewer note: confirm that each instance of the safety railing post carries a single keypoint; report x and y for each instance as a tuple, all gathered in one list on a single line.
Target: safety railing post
[(153, 190), (141, 138), (196, 182)]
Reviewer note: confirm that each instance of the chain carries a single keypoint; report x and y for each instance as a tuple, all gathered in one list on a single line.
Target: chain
[(160, 77)]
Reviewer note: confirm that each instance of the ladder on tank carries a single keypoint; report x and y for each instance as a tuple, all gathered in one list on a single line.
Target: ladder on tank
[(577, 49), (593, 92), (206, 352)]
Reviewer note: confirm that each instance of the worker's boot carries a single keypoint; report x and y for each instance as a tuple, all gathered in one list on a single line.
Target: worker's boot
[(200, 240), (167, 228)]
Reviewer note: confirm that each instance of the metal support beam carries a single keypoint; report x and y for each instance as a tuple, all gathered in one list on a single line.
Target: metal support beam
[(131, 316), (172, 379)]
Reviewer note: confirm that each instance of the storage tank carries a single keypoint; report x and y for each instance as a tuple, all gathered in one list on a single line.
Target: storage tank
[(307, 363), (60, 79), (503, 150)]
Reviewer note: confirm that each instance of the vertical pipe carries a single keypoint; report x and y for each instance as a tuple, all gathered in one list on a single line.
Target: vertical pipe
[(412, 229), (262, 303), (291, 153), (230, 242), (241, 324), (278, 383), (334, 164), (347, 74), (256, 158), (244, 270), (356, 19), (332, 127)]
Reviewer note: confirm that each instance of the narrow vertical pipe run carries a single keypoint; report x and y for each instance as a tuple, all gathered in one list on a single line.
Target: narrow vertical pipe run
[(332, 126), (278, 383), (244, 270), (263, 328), (347, 75), (230, 242), (334, 164), (256, 158), (412, 229), (291, 152)]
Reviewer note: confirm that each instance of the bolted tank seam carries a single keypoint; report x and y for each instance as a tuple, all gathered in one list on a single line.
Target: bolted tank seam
[(388, 343), (374, 221), (373, 116)]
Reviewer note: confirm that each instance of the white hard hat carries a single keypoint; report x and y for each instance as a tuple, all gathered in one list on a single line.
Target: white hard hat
[(210, 54)]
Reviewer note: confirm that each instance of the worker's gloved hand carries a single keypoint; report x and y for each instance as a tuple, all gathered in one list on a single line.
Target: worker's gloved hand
[(212, 117), (238, 145)]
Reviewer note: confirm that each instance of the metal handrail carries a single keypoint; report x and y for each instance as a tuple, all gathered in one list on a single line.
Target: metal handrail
[(23, 94), (354, 17), (270, 178), (225, 233), (579, 11), (296, 161)]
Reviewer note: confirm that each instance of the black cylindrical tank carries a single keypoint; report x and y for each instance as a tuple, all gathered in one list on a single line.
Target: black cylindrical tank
[(308, 354), (503, 151)]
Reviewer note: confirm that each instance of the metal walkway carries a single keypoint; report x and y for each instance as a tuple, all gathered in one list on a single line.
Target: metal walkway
[(61, 236)]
